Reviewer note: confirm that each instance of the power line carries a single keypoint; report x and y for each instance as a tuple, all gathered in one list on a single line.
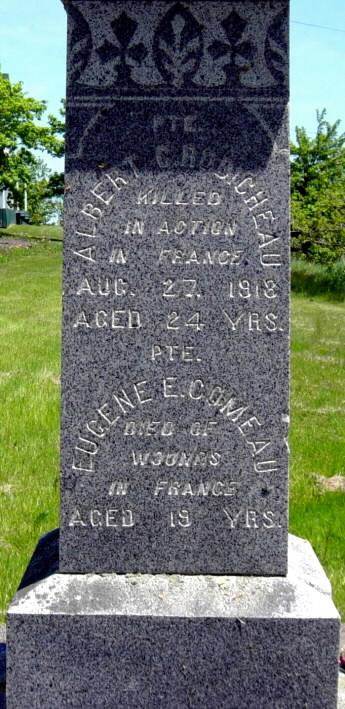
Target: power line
[(320, 27)]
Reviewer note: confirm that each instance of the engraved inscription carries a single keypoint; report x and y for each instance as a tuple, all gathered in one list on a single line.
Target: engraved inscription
[(113, 319), (255, 199), (243, 289), (175, 353), (108, 418), (176, 288), (198, 257), (182, 518), (217, 488), (104, 286), (183, 288), (250, 519), (118, 518), (198, 227), (252, 322), (181, 198)]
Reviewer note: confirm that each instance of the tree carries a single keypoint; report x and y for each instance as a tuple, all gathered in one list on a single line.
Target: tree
[(44, 207), (56, 182), (317, 192), (56, 185), (21, 133)]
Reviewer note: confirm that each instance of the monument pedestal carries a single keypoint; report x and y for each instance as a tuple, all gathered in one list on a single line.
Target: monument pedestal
[(112, 640)]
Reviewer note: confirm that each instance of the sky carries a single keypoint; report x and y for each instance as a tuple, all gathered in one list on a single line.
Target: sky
[(33, 50)]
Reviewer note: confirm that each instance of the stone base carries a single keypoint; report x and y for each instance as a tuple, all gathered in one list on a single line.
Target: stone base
[(174, 641)]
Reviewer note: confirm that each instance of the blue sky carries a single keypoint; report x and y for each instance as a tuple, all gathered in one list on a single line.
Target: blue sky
[(33, 49)]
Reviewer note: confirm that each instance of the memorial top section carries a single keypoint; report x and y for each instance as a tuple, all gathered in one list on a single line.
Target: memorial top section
[(211, 49), (176, 289)]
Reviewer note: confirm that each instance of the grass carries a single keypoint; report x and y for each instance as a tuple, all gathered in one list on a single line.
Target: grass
[(29, 390), (315, 279), (30, 231), (317, 437)]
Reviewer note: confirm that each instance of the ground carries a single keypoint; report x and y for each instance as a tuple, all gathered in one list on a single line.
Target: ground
[(31, 232)]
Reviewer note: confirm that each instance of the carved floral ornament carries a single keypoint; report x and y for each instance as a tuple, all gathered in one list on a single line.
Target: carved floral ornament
[(207, 46)]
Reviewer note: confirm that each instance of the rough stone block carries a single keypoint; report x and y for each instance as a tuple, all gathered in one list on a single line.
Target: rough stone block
[(176, 641)]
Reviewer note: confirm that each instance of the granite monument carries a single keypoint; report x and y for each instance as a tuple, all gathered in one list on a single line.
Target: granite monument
[(175, 587), (176, 289)]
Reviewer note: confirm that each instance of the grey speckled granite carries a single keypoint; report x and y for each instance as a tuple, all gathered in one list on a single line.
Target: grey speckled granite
[(175, 641), (176, 288)]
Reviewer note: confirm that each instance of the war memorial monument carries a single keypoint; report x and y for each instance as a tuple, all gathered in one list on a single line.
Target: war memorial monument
[(177, 583)]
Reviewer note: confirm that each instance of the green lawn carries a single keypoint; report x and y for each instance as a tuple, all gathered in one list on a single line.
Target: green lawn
[(29, 391), (30, 231), (29, 395), (317, 436)]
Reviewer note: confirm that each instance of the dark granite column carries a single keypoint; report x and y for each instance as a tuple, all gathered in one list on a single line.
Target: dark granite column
[(176, 287)]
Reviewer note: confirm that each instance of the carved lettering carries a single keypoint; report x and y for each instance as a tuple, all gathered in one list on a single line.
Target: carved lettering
[(110, 320), (181, 518), (250, 519), (253, 322), (118, 488), (177, 459), (197, 257), (117, 518), (174, 353), (178, 488), (183, 198)]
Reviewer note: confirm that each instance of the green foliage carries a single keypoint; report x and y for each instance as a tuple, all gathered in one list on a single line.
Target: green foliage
[(317, 192), (319, 279), (56, 184), (43, 207), (21, 133)]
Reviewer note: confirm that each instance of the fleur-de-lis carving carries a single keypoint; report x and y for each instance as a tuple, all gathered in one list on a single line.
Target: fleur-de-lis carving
[(236, 54), (178, 46), (126, 54), (81, 44), (276, 48)]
